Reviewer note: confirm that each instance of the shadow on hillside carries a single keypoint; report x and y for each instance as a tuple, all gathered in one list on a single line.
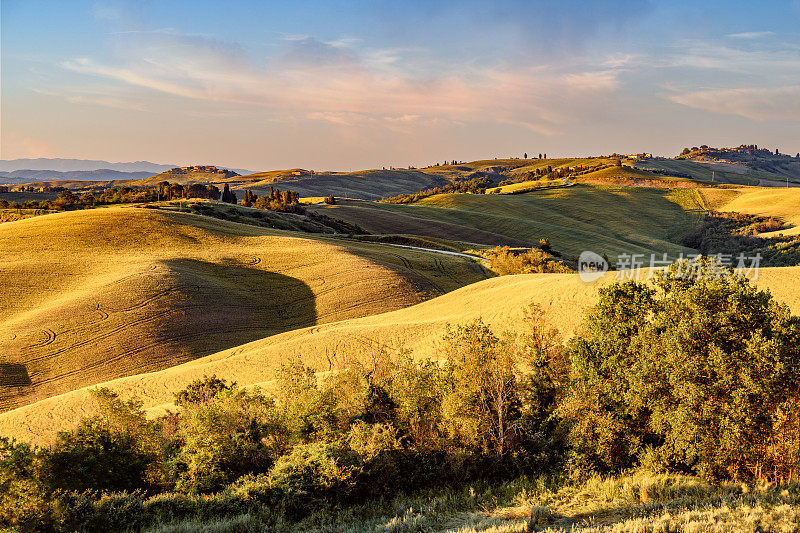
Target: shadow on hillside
[(226, 304), (161, 317)]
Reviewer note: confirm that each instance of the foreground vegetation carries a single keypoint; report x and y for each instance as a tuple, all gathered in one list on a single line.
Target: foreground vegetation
[(688, 375)]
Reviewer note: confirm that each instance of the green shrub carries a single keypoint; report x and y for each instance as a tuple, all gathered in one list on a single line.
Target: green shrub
[(237, 432), (201, 391), (316, 469), (169, 507), (119, 511), (23, 495), (75, 511)]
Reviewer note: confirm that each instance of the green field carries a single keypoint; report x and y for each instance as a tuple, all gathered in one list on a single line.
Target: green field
[(604, 218), (718, 172)]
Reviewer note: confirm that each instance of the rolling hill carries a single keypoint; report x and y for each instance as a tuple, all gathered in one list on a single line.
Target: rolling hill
[(98, 294), (608, 219), (498, 301), (750, 157), (368, 184), (772, 202), (48, 177), (719, 172)]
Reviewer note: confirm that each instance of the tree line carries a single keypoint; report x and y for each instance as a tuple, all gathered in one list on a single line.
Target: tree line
[(476, 185)]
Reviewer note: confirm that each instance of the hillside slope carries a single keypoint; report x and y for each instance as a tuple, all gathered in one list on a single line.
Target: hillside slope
[(771, 202), (498, 301), (94, 295), (609, 219), (368, 184)]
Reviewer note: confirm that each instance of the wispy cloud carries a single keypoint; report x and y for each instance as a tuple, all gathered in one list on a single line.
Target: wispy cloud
[(751, 34), (771, 103), (335, 82), (94, 98)]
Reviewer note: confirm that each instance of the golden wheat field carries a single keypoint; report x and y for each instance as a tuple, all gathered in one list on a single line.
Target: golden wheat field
[(94, 295), (500, 302)]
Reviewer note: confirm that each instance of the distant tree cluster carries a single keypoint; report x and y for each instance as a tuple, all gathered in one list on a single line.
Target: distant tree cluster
[(473, 186), (174, 191), (276, 200), (549, 173), (506, 261), (228, 196)]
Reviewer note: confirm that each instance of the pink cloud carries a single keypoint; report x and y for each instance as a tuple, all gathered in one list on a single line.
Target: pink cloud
[(331, 82), (16, 145)]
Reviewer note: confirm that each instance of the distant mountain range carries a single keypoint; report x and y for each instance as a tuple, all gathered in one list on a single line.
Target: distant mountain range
[(27, 176), (57, 168)]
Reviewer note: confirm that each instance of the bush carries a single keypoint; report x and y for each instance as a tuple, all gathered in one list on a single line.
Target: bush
[(24, 501), (113, 450), (119, 512), (505, 261), (201, 391), (317, 469), (170, 507), (236, 433)]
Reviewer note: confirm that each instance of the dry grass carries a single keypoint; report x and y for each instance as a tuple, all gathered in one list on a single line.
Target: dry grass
[(526, 186), (91, 296), (673, 503)]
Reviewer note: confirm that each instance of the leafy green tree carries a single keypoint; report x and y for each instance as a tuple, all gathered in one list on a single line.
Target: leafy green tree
[(697, 367), (24, 501), (483, 407)]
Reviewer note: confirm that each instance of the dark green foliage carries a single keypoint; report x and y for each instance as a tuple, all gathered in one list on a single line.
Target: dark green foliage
[(316, 469), (473, 186), (112, 450), (94, 456), (697, 368), (228, 196), (24, 501), (737, 233), (234, 433), (201, 391)]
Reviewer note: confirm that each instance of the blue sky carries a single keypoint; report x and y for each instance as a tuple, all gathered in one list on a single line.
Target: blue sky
[(340, 85)]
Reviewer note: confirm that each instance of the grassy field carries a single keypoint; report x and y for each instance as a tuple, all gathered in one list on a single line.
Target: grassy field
[(498, 301), (776, 202), (633, 177), (98, 294), (634, 503), (608, 219), (525, 186), (367, 184), (719, 172)]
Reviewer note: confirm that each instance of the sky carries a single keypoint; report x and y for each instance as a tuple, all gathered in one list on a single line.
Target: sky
[(366, 84)]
